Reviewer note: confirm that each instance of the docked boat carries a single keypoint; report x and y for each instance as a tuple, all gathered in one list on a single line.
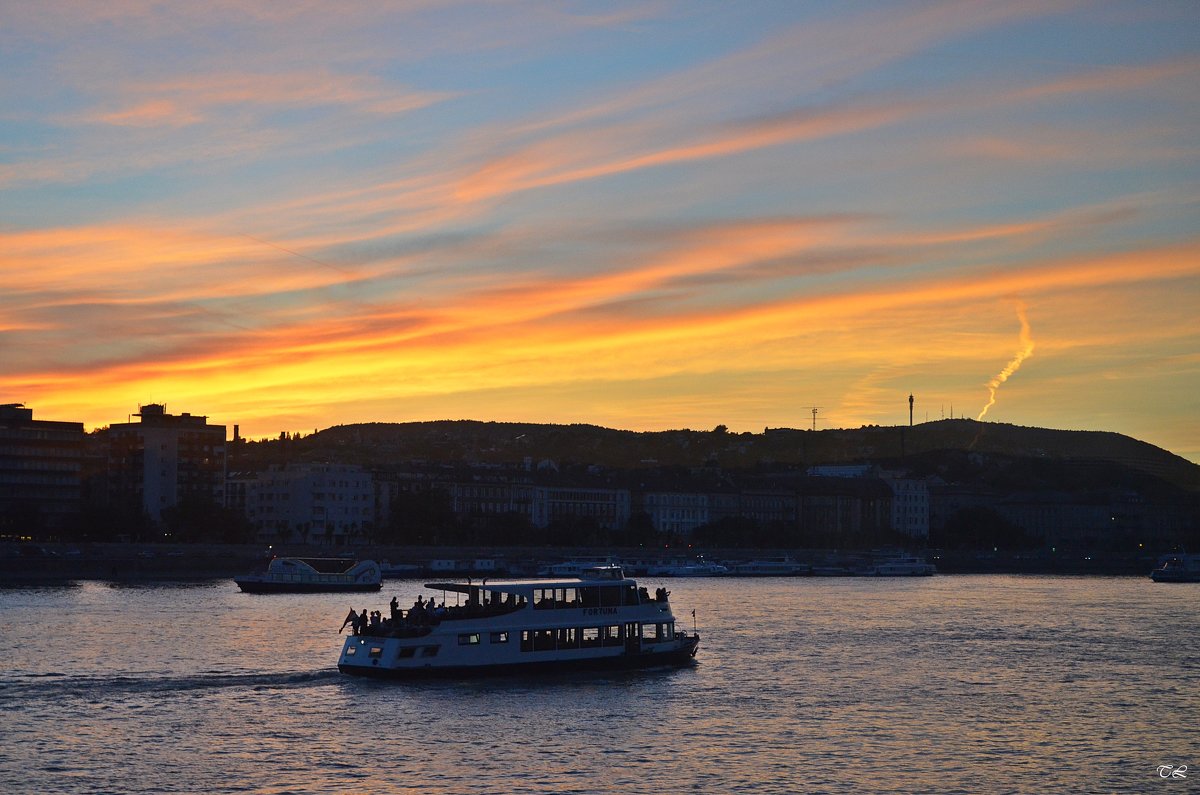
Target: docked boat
[(771, 567), (901, 566), (312, 575), (575, 567), (600, 620), (686, 568), (399, 571), (1177, 568), (832, 570)]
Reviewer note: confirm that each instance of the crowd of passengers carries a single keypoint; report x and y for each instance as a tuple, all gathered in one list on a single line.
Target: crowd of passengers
[(425, 613)]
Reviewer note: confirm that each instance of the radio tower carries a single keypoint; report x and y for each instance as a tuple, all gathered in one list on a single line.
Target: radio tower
[(814, 410)]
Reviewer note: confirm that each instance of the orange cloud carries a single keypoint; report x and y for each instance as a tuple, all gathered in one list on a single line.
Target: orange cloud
[(566, 159), (1115, 78), (182, 101), (463, 348)]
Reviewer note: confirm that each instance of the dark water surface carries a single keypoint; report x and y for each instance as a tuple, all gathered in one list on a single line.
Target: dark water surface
[(945, 684)]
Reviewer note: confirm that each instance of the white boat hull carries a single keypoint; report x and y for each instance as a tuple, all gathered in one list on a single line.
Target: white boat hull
[(676, 654)]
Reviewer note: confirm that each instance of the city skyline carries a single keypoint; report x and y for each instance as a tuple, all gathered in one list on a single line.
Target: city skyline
[(650, 216)]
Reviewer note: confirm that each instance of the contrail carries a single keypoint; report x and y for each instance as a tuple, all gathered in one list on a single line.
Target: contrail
[(1023, 354)]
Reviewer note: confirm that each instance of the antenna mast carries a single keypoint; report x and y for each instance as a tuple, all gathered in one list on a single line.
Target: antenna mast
[(814, 410)]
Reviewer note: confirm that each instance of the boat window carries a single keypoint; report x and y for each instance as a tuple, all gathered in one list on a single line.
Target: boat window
[(499, 637), (550, 598), (543, 640), (590, 637), (468, 639), (568, 638), (351, 651), (429, 651), (376, 652), (655, 633), (526, 640), (631, 594), (589, 596), (612, 636), (506, 599), (610, 596), (406, 652)]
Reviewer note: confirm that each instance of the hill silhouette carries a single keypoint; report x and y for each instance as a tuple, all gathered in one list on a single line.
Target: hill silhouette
[(930, 446)]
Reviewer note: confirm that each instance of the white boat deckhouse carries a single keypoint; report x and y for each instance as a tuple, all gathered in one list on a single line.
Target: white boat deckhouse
[(599, 620)]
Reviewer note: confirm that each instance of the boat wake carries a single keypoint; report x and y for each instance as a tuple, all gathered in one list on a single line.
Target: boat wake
[(63, 685)]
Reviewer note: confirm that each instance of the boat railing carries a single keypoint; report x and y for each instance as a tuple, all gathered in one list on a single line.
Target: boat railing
[(387, 630), (460, 612)]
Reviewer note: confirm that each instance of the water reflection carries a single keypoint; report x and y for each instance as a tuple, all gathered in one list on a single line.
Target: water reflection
[(967, 683)]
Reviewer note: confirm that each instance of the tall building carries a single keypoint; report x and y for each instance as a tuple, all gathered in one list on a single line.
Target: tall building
[(329, 504), (910, 496), (910, 504), (610, 508), (164, 459), (40, 463)]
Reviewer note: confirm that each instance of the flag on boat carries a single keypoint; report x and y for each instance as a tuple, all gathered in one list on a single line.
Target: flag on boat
[(351, 618)]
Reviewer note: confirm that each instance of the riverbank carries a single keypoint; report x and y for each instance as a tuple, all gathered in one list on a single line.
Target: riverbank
[(23, 564)]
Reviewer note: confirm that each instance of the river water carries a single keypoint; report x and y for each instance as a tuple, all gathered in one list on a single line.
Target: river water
[(943, 684)]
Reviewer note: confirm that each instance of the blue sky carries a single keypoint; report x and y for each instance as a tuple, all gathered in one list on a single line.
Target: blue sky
[(641, 215)]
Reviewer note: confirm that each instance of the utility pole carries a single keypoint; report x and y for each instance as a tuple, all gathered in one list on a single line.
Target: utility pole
[(910, 409)]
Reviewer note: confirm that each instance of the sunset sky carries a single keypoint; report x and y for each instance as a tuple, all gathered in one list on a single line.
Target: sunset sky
[(645, 215)]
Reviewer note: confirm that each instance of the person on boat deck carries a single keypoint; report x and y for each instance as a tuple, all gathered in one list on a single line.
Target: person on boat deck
[(375, 618), (363, 623), (395, 608)]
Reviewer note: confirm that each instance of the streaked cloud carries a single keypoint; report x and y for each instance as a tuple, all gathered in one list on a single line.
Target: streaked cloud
[(648, 216)]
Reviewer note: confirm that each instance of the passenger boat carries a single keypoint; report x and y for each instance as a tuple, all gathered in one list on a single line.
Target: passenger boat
[(1177, 568), (600, 620), (312, 575)]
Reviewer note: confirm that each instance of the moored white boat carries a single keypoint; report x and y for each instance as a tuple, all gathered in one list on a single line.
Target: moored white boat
[(685, 568), (771, 567), (312, 575), (575, 567), (600, 620), (395, 571)]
